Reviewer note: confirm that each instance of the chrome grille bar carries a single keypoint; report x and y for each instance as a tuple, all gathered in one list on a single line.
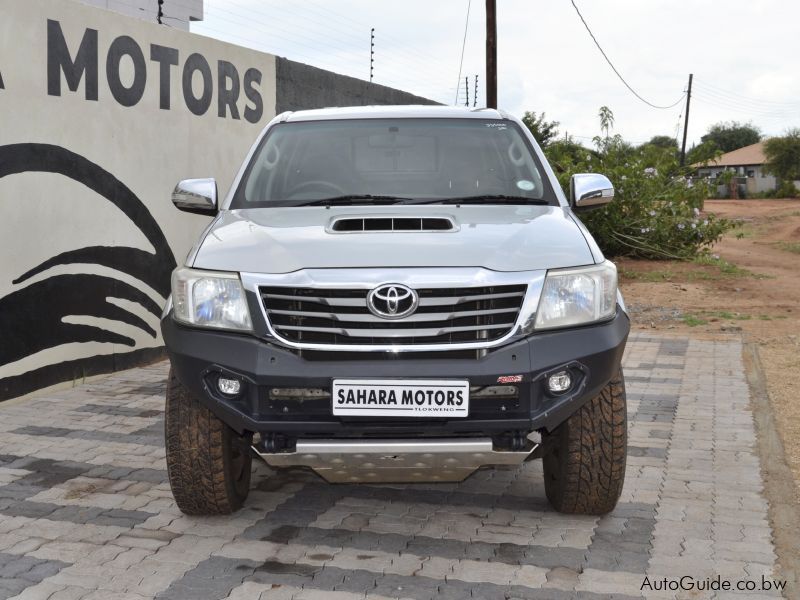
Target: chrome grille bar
[(463, 299), (415, 318), (321, 300), (415, 333)]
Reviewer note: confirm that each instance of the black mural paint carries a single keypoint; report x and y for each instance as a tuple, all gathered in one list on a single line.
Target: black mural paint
[(227, 96), (126, 46), (154, 270), (19, 385), (166, 57), (252, 77), (196, 62), (32, 318), (133, 261), (59, 61)]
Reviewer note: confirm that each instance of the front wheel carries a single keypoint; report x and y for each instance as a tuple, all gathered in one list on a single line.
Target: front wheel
[(584, 461), (208, 464)]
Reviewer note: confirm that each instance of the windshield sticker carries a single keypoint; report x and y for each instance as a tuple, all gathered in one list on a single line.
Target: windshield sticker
[(525, 185)]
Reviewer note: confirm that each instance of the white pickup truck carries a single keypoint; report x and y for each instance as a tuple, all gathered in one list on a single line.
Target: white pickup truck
[(395, 294)]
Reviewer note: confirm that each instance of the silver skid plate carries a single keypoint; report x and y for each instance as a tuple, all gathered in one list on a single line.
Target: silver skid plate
[(395, 461)]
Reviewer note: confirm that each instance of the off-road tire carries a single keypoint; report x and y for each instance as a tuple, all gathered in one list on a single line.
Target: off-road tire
[(584, 461), (208, 464)]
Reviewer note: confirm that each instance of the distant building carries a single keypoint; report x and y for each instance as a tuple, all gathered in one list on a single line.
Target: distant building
[(175, 13), (748, 164)]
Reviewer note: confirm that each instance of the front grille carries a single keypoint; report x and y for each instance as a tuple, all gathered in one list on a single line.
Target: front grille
[(444, 316)]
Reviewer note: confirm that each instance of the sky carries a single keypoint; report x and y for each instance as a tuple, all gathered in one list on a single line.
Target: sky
[(744, 55)]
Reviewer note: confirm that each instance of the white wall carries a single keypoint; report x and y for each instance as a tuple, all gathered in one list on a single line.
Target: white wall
[(761, 181), (65, 161)]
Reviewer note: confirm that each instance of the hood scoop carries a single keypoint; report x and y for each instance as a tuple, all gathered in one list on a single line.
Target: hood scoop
[(386, 223)]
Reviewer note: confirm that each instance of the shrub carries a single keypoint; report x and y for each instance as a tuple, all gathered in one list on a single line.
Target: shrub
[(787, 189), (656, 212)]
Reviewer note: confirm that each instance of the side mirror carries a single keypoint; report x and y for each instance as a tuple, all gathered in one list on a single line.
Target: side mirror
[(197, 196), (589, 190)]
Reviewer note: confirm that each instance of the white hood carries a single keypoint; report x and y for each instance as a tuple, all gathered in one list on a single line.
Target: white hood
[(500, 238)]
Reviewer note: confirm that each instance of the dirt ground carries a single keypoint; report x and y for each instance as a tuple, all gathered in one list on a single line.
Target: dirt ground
[(752, 290)]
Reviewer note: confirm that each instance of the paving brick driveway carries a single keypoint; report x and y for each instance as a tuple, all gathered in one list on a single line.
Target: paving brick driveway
[(86, 511)]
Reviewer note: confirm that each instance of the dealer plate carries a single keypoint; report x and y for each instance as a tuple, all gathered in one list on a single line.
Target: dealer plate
[(401, 397)]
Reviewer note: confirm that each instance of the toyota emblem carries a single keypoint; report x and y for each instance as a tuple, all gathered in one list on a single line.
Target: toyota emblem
[(392, 301)]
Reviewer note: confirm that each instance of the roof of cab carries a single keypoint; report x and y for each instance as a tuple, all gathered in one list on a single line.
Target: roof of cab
[(389, 112)]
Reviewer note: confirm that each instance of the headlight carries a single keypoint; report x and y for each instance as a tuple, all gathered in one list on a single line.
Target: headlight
[(209, 299), (577, 296)]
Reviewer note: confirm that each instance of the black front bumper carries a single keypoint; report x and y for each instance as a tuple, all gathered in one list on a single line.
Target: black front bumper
[(592, 354)]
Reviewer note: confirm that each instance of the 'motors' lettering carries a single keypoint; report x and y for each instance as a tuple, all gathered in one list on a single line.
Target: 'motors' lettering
[(59, 61), (84, 67)]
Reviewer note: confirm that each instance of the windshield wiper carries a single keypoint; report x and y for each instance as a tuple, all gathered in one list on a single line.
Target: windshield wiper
[(486, 199), (352, 199)]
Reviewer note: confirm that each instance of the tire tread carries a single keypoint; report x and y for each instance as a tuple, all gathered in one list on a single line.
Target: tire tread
[(198, 455), (584, 469)]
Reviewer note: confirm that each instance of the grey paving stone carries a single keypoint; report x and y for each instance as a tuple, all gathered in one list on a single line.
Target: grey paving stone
[(646, 451), (32, 510), (327, 579), (150, 438), (693, 476), (11, 586), (357, 582), (18, 572)]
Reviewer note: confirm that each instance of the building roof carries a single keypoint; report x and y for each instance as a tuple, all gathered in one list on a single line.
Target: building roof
[(742, 157)]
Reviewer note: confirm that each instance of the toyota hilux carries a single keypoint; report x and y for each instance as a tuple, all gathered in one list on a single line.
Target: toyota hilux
[(395, 294)]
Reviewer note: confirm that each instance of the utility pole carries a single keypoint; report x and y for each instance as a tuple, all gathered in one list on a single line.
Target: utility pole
[(491, 53), (475, 93), (686, 119), (466, 89), (371, 52)]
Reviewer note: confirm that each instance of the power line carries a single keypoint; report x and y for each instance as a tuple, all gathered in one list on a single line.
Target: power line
[(746, 99), (760, 115), (736, 105), (678, 127), (463, 45), (348, 22), (288, 26), (608, 60), (255, 25), (752, 108)]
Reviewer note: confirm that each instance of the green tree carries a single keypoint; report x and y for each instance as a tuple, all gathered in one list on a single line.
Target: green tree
[(732, 135), (544, 131), (783, 155), (606, 120), (702, 153), (663, 141), (565, 152)]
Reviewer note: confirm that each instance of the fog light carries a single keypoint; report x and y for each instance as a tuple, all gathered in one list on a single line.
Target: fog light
[(560, 382), (229, 387)]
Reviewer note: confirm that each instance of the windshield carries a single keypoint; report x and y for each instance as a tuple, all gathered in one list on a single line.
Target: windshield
[(392, 161)]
